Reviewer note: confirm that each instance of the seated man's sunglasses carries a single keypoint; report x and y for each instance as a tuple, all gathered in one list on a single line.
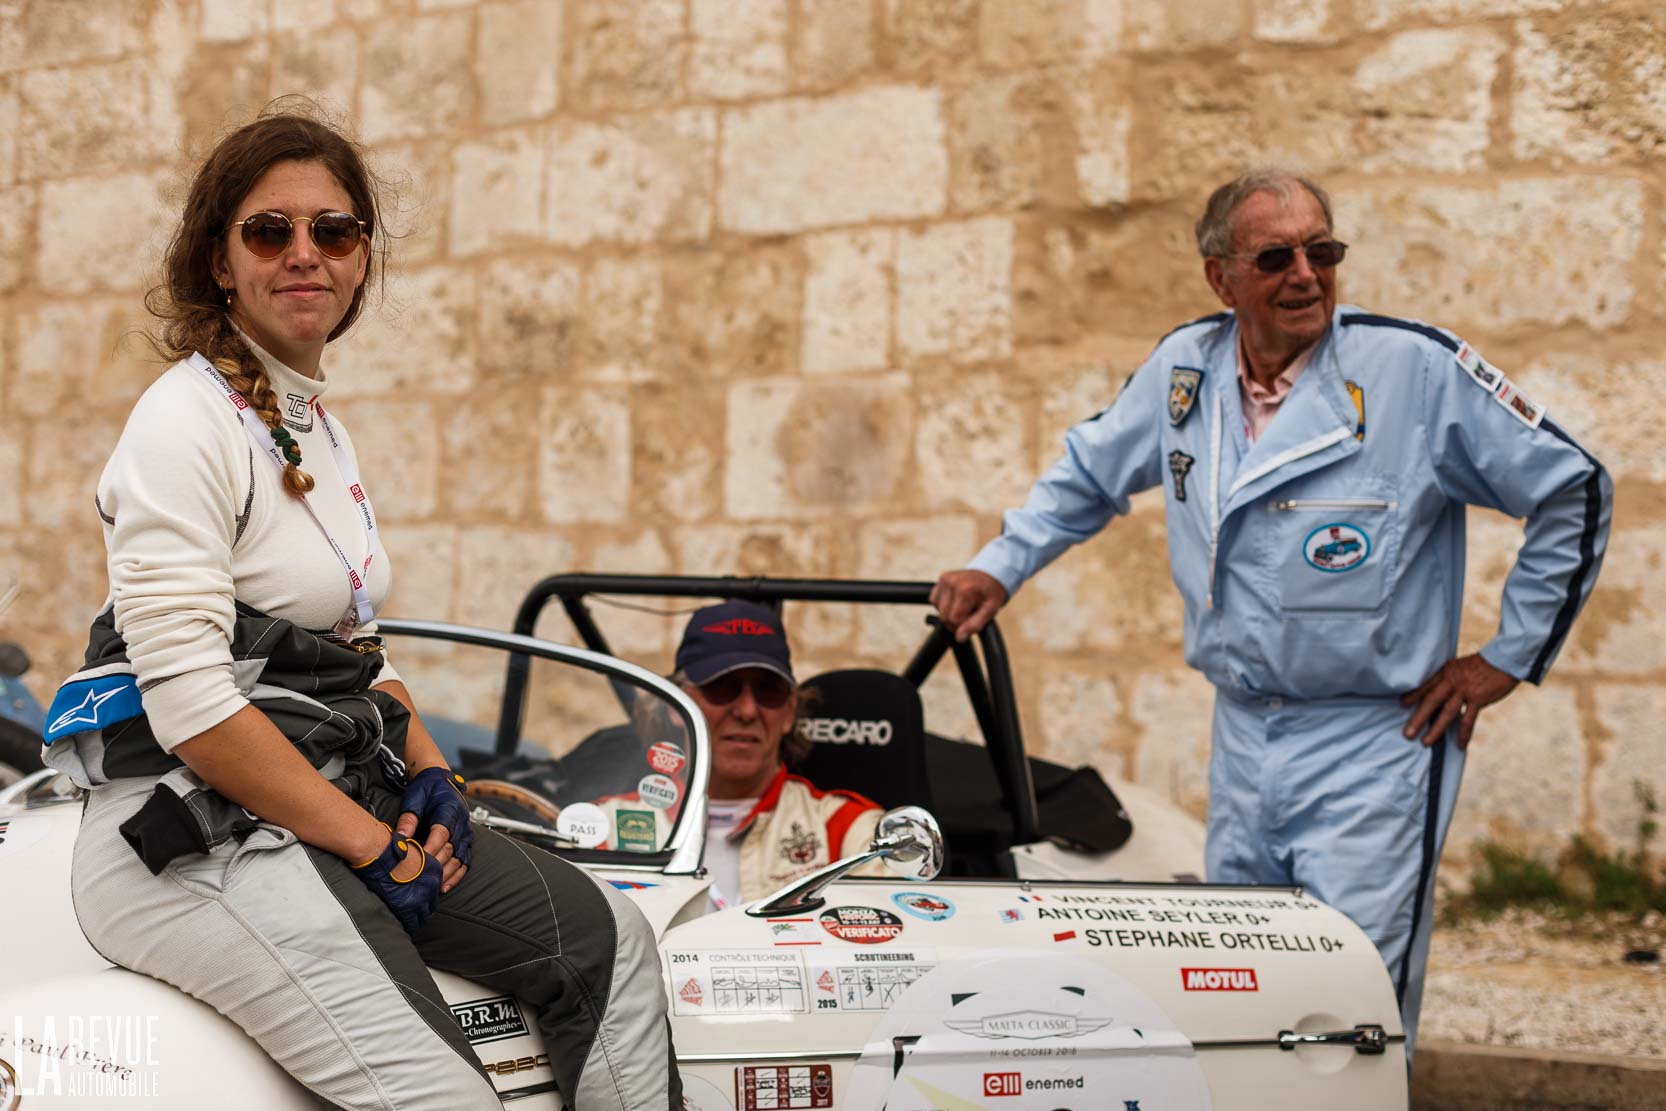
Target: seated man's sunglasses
[(769, 690), (1320, 255), (267, 234)]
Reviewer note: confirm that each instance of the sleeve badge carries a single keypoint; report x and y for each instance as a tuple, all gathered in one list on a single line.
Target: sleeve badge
[(1184, 383)]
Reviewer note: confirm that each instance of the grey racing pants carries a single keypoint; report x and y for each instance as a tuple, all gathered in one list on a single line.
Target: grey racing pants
[(283, 939)]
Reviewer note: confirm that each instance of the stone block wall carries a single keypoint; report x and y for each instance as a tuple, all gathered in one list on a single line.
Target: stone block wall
[(813, 287)]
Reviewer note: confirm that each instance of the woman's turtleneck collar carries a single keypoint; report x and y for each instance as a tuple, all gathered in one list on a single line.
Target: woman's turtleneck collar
[(285, 379)]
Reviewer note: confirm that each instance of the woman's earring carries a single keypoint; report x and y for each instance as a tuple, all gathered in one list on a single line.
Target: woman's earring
[(226, 289)]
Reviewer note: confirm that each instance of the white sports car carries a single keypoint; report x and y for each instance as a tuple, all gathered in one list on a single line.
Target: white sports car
[(1044, 942)]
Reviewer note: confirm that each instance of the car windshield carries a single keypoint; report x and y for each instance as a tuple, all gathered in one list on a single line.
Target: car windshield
[(605, 759)]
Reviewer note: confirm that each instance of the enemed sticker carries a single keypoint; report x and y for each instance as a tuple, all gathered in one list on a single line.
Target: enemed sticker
[(1519, 404)]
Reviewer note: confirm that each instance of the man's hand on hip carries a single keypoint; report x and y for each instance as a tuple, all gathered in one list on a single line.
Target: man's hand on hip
[(966, 600), (1458, 691)]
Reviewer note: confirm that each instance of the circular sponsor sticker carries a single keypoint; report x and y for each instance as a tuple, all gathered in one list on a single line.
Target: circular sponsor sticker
[(666, 758), (933, 908), (1336, 547), (861, 925), (657, 791), (584, 823)]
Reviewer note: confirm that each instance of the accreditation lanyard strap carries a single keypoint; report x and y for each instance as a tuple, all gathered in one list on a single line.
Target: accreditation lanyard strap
[(361, 611)]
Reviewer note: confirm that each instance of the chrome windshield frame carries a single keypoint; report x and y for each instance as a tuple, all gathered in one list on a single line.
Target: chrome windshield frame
[(688, 840)]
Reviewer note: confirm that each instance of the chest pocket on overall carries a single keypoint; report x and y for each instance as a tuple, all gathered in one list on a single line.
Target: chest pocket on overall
[(1333, 554)]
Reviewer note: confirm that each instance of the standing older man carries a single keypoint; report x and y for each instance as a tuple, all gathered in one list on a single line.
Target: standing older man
[(1317, 461)]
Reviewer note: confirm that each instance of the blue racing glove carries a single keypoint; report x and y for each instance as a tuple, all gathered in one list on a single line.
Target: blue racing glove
[(435, 796), (412, 901)]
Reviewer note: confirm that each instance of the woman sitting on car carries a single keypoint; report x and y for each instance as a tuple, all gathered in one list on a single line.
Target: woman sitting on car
[(764, 826), (268, 825)]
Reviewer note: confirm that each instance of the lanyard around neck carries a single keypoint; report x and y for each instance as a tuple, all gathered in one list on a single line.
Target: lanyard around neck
[(360, 611)]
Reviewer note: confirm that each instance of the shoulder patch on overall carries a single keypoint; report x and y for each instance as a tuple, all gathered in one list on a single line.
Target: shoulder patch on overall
[(1184, 383), (1180, 465), (1481, 372), (1518, 404), (1356, 394), (89, 704)]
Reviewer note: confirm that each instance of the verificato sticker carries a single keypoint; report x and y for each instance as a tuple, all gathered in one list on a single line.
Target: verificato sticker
[(861, 925)]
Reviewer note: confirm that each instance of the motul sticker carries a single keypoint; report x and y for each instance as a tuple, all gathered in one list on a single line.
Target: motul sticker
[(784, 1087), (861, 925), (667, 758), (1219, 979)]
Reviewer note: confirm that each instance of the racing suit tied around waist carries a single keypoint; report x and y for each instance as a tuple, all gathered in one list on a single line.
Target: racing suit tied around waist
[(316, 690)]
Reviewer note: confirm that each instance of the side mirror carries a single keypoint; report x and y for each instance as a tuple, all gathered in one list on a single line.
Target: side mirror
[(908, 839), (910, 842)]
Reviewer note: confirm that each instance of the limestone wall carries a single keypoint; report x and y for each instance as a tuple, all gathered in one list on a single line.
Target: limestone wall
[(814, 286)]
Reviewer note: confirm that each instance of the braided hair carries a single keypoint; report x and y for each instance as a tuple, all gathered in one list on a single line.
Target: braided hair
[(193, 311)]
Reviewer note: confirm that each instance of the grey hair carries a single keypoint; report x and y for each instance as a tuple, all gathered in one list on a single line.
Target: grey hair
[(1214, 229)]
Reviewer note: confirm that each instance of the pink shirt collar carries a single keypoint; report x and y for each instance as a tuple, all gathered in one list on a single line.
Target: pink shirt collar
[(1261, 403)]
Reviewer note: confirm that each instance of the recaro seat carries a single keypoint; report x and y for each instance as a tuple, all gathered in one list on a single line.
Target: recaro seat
[(868, 734)]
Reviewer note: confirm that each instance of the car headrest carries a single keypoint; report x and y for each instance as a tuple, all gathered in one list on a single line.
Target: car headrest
[(867, 734)]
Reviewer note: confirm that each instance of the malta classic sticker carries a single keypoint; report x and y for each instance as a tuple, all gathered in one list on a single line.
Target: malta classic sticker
[(666, 758), (1048, 1031), (861, 925), (1336, 547), (1184, 382), (932, 908), (657, 791), (583, 823)]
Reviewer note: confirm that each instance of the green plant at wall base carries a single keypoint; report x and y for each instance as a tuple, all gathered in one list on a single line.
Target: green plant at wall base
[(1585, 879)]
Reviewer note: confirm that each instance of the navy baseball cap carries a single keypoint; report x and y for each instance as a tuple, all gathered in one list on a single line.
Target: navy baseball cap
[(732, 635)]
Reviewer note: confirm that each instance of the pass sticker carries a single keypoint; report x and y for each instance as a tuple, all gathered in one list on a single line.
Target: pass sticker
[(861, 925), (657, 791), (583, 823), (666, 758)]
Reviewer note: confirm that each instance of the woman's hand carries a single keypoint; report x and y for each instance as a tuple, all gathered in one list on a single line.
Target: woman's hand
[(406, 878), (433, 799)]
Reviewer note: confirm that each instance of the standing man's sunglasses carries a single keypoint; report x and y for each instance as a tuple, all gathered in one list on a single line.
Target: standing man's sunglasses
[(267, 234), (1321, 255), (769, 690)]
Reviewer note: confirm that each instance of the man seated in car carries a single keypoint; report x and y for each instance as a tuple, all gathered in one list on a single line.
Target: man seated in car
[(765, 827)]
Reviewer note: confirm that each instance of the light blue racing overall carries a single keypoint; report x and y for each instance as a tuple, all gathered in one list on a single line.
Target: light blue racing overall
[(1322, 574)]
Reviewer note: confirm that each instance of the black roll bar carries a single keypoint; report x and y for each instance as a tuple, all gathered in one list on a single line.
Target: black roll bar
[(988, 688)]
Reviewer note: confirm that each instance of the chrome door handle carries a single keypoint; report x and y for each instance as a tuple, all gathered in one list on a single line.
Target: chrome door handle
[(1368, 1039)]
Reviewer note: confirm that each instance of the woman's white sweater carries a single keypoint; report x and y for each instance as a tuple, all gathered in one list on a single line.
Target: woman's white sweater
[(196, 518)]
